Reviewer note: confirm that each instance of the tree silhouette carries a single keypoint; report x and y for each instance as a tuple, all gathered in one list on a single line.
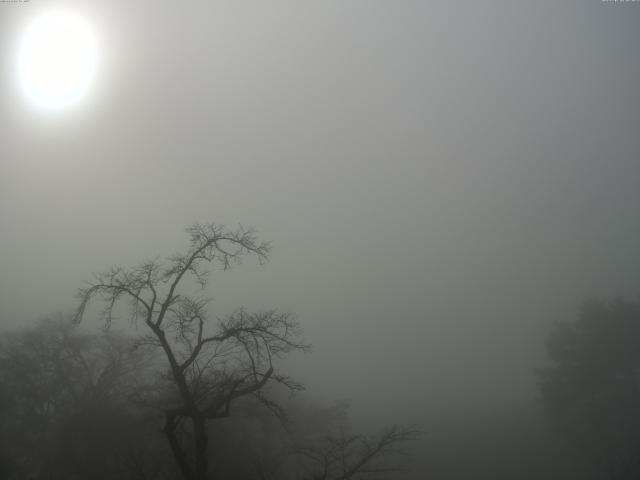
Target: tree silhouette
[(591, 391), (345, 455), (64, 402), (210, 366)]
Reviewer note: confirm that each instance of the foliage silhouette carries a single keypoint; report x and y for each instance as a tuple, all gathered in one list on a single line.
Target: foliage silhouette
[(66, 409), (591, 391)]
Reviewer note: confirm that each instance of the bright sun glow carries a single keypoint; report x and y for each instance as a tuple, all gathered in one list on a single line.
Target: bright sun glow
[(57, 59)]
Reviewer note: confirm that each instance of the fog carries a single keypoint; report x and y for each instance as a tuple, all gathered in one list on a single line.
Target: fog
[(440, 181)]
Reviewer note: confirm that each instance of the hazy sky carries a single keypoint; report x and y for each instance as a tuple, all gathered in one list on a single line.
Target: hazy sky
[(440, 180)]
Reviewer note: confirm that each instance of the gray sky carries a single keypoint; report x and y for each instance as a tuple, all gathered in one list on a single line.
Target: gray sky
[(440, 180)]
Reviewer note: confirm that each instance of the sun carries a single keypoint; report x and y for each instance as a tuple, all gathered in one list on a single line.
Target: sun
[(57, 60)]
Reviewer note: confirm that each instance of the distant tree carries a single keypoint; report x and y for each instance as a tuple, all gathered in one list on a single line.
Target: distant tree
[(345, 455), (64, 402), (315, 443), (591, 391)]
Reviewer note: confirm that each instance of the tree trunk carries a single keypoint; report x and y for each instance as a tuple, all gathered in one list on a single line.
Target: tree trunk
[(201, 440), (178, 453)]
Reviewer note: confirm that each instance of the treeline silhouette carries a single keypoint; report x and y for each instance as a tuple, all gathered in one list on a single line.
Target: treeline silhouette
[(185, 396), (591, 390), (84, 405)]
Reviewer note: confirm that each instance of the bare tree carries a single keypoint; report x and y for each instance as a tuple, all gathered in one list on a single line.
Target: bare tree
[(350, 456), (210, 365)]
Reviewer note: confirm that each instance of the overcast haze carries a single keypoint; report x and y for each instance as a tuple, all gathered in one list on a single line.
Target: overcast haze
[(441, 181)]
